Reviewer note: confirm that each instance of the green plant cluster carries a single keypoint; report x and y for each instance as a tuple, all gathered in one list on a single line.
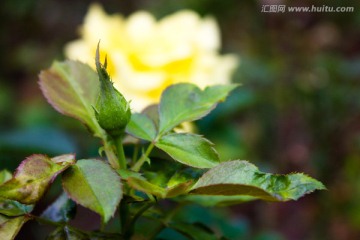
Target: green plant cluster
[(181, 167)]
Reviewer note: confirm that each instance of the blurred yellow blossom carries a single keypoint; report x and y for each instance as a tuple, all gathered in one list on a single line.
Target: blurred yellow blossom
[(145, 55)]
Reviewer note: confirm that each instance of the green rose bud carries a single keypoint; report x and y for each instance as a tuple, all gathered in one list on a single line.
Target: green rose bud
[(112, 110)]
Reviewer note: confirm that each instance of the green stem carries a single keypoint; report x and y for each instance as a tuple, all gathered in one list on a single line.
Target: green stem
[(139, 213), (136, 152), (124, 216), (143, 158), (166, 221), (120, 152), (110, 154), (102, 225), (128, 228)]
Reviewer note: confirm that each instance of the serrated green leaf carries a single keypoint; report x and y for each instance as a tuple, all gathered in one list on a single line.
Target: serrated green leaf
[(146, 187), (179, 189), (160, 171), (163, 179), (94, 185), (189, 149), (14, 208), (242, 178), (185, 175), (61, 210), (33, 176), (72, 88), (141, 126), (180, 183), (186, 102), (4, 176), (9, 227), (125, 174)]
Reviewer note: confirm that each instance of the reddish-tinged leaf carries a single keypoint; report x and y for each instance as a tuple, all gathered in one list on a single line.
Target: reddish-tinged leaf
[(72, 87), (33, 177)]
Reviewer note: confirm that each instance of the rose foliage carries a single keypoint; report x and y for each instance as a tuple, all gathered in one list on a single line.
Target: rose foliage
[(179, 168)]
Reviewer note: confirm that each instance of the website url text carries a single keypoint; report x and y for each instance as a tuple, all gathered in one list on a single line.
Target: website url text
[(313, 8)]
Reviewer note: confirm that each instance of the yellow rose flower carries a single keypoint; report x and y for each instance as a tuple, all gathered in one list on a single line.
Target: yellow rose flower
[(145, 55)]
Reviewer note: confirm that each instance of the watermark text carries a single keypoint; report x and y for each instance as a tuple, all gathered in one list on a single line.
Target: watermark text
[(310, 9)]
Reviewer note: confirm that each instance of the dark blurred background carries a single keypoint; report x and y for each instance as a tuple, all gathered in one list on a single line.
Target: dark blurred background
[(298, 109)]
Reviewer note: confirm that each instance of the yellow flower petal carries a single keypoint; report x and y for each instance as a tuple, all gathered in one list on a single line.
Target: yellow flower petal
[(146, 55)]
